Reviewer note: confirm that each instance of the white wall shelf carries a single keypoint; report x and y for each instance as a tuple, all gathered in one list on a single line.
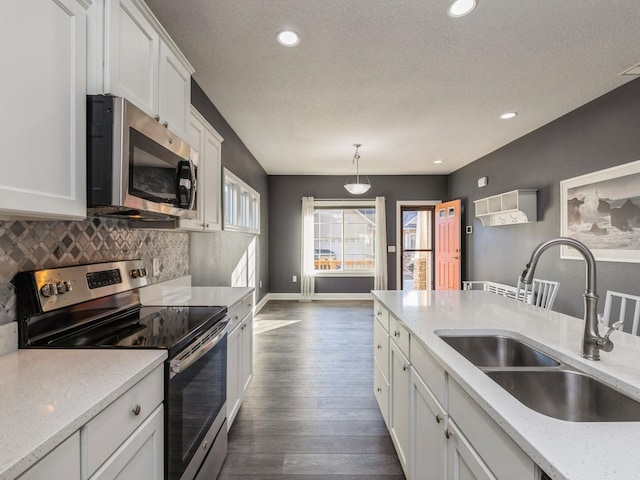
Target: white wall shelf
[(517, 206)]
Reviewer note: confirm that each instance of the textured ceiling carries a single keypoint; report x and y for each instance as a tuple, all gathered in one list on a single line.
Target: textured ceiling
[(401, 77)]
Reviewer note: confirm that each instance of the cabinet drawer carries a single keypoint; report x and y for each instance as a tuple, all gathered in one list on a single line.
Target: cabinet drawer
[(503, 456), (399, 334), (428, 370), (382, 314), (111, 427), (381, 391), (239, 310), (381, 348)]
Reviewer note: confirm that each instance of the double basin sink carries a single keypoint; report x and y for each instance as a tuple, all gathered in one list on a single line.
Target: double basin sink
[(542, 383)]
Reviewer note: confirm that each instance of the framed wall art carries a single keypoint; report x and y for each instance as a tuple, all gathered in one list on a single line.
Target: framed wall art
[(602, 210)]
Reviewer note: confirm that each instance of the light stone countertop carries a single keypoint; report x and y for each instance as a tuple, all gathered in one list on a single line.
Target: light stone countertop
[(48, 394), (565, 450), (185, 296)]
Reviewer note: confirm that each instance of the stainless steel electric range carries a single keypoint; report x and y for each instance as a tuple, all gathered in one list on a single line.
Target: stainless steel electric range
[(98, 306)]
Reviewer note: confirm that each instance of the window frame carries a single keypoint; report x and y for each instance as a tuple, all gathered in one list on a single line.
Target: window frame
[(241, 205), (344, 205)]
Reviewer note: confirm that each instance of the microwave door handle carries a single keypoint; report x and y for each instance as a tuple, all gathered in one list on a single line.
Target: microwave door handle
[(179, 367), (192, 197)]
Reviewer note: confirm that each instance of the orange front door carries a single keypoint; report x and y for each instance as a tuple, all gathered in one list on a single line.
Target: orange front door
[(448, 248)]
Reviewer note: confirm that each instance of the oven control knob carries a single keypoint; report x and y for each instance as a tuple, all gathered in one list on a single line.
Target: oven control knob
[(61, 287), (48, 289), (143, 272), (134, 273), (68, 285)]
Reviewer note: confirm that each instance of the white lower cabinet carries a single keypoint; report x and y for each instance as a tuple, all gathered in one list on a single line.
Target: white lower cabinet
[(140, 456), (428, 455), (125, 441), (463, 462), (400, 373), (239, 355), (64, 460)]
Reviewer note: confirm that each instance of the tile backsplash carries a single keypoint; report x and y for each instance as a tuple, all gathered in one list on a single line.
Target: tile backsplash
[(30, 245)]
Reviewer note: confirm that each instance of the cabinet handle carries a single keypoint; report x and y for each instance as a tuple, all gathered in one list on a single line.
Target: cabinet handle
[(438, 418), (136, 411), (157, 118), (447, 433), (165, 124), (244, 325), (379, 347), (396, 333), (404, 368), (379, 390), (379, 313)]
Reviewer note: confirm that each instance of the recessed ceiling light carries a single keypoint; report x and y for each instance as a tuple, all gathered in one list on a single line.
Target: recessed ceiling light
[(437, 161), (288, 38), (460, 8), (508, 115)]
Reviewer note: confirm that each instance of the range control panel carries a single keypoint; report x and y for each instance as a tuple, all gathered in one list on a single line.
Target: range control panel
[(61, 287)]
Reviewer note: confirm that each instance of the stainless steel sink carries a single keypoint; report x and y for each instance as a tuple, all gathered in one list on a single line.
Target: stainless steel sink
[(498, 351), (567, 395)]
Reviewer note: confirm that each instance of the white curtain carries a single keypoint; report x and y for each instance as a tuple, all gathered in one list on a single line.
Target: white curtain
[(380, 279), (307, 280)]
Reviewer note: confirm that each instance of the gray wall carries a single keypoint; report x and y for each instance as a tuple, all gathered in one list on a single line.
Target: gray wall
[(285, 205), (601, 134), (213, 256)]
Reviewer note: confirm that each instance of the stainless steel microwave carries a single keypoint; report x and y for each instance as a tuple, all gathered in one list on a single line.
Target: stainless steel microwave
[(136, 168)]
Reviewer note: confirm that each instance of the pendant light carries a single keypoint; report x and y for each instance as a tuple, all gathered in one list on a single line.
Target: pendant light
[(357, 188)]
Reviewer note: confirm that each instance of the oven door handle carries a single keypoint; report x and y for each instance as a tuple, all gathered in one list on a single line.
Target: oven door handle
[(177, 367)]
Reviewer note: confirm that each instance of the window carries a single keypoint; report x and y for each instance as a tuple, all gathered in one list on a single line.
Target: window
[(241, 205), (344, 238)]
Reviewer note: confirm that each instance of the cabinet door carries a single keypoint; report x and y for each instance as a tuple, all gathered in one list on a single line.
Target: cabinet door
[(132, 43), (246, 348), (195, 137), (43, 107), (64, 460), (234, 360), (174, 92), (212, 179), (428, 457), (399, 388), (140, 456), (463, 462), (206, 140)]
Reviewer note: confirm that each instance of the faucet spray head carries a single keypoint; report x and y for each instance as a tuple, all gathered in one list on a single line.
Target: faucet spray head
[(527, 274)]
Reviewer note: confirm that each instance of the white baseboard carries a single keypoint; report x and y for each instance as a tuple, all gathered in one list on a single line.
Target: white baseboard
[(317, 296), (261, 304)]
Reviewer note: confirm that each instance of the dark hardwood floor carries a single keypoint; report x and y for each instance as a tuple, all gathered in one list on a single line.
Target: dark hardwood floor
[(310, 412)]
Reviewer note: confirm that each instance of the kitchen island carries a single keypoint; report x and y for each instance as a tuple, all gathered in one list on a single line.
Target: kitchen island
[(562, 449)]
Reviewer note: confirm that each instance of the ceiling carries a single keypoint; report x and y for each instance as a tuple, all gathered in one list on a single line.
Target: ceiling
[(401, 77)]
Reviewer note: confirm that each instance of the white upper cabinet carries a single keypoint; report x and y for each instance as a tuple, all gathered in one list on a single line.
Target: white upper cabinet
[(203, 137), (132, 56), (132, 51), (43, 121)]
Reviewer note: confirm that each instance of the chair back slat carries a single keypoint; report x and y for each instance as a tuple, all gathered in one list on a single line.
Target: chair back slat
[(619, 300), (541, 293)]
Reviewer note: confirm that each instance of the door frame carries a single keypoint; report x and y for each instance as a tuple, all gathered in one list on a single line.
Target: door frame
[(399, 205)]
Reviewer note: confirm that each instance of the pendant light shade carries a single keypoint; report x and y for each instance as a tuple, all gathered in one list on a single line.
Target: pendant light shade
[(357, 187)]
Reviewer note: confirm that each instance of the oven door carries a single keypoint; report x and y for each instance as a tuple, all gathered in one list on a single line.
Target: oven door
[(195, 402)]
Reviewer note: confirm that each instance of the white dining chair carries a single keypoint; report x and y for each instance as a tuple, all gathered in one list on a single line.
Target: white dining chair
[(474, 285), (541, 293), (626, 306)]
